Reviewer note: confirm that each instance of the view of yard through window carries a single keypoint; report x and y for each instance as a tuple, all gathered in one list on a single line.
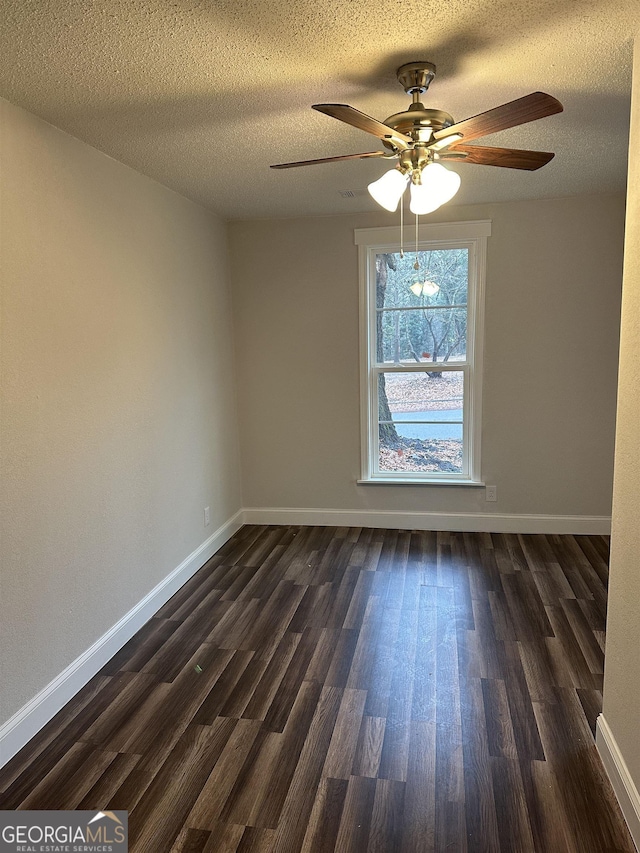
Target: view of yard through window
[(421, 319), (407, 442)]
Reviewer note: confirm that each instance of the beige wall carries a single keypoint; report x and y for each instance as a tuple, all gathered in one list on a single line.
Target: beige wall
[(622, 669), (552, 318), (118, 407)]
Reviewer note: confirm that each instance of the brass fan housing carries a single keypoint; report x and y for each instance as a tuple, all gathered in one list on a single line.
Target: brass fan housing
[(418, 123)]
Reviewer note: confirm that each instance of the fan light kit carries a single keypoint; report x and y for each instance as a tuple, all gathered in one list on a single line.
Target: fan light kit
[(419, 138), (424, 288)]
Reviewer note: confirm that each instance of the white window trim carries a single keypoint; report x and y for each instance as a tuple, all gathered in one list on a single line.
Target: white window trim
[(371, 241)]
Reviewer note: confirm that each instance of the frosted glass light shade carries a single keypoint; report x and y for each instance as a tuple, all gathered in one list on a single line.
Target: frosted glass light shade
[(424, 288), (438, 186), (388, 189)]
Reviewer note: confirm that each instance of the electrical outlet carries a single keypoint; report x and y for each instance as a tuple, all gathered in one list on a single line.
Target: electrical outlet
[(491, 493), (207, 516)]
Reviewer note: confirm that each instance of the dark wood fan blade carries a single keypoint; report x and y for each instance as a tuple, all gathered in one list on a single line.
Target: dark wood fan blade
[(355, 118), (330, 159), (530, 108), (510, 158)]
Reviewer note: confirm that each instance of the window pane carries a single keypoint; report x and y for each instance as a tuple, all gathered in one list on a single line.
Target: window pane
[(420, 421), (445, 271), (429, 335)]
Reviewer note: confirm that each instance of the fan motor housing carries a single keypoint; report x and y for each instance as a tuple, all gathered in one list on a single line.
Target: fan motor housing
[(416, 120)]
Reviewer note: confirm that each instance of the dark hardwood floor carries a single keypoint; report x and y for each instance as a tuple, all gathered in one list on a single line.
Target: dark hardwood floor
[(351, 690)]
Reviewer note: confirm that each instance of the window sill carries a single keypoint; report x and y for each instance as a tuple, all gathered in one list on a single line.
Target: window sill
[(406, 481)]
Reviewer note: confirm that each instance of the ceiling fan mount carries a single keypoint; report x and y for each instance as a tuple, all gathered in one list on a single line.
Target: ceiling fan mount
[(416, 76)]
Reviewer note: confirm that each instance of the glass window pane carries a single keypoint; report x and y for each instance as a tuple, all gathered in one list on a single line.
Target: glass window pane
[(436, 336), (441, 279), (420, 421)]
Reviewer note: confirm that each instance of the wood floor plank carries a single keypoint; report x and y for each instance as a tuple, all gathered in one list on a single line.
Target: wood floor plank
[(148, 734), (395, 749), (269, 683), (314, 608), (521, 711), (478, 778), (324, 823), (298, 805), (109, 782), (288, 760), (135, 654), (253, 803), (550, 825), (366, 761), (381, 653), (157, 819), (424, 698), (289, 688), (514, 828), (572, 654), (419, 816), (224, 838), (120, 709), (221, 691), (351, 690), (500, 736), (131, 790), (215, 792), (342, 748), (385, 834), (255, 840), (589, 647), (50, 793), (363, 659), (170, 659), (353, 834), (191, 841), (340, 666), (74, 790)]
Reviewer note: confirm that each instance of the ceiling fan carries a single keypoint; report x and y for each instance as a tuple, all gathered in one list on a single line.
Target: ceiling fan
[(419, 138)]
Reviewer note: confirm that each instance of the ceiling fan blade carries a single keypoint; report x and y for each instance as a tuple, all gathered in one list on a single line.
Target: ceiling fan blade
[(510, 158), (530, 108), (355, 118), (332, 159)]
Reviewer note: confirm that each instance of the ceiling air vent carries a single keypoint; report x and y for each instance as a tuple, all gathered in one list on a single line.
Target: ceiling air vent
[(352, 193)]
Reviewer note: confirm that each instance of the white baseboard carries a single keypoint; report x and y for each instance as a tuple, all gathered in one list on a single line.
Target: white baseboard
[(460, 521), (26, 722), (621, 780)]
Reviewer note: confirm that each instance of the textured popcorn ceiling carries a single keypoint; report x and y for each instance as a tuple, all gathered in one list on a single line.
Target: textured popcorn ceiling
[(204, 96)]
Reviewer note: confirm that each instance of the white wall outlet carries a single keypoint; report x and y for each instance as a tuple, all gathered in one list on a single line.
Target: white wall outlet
[(491, 493), (207, 516)]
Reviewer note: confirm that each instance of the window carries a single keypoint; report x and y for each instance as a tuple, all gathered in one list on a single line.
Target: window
[(421, 353)]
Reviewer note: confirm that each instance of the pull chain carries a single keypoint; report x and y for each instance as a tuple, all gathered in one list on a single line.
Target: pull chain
[(416, 266), (401, 229)]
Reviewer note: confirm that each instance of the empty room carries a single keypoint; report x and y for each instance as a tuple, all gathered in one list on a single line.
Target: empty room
[(320, 426)]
